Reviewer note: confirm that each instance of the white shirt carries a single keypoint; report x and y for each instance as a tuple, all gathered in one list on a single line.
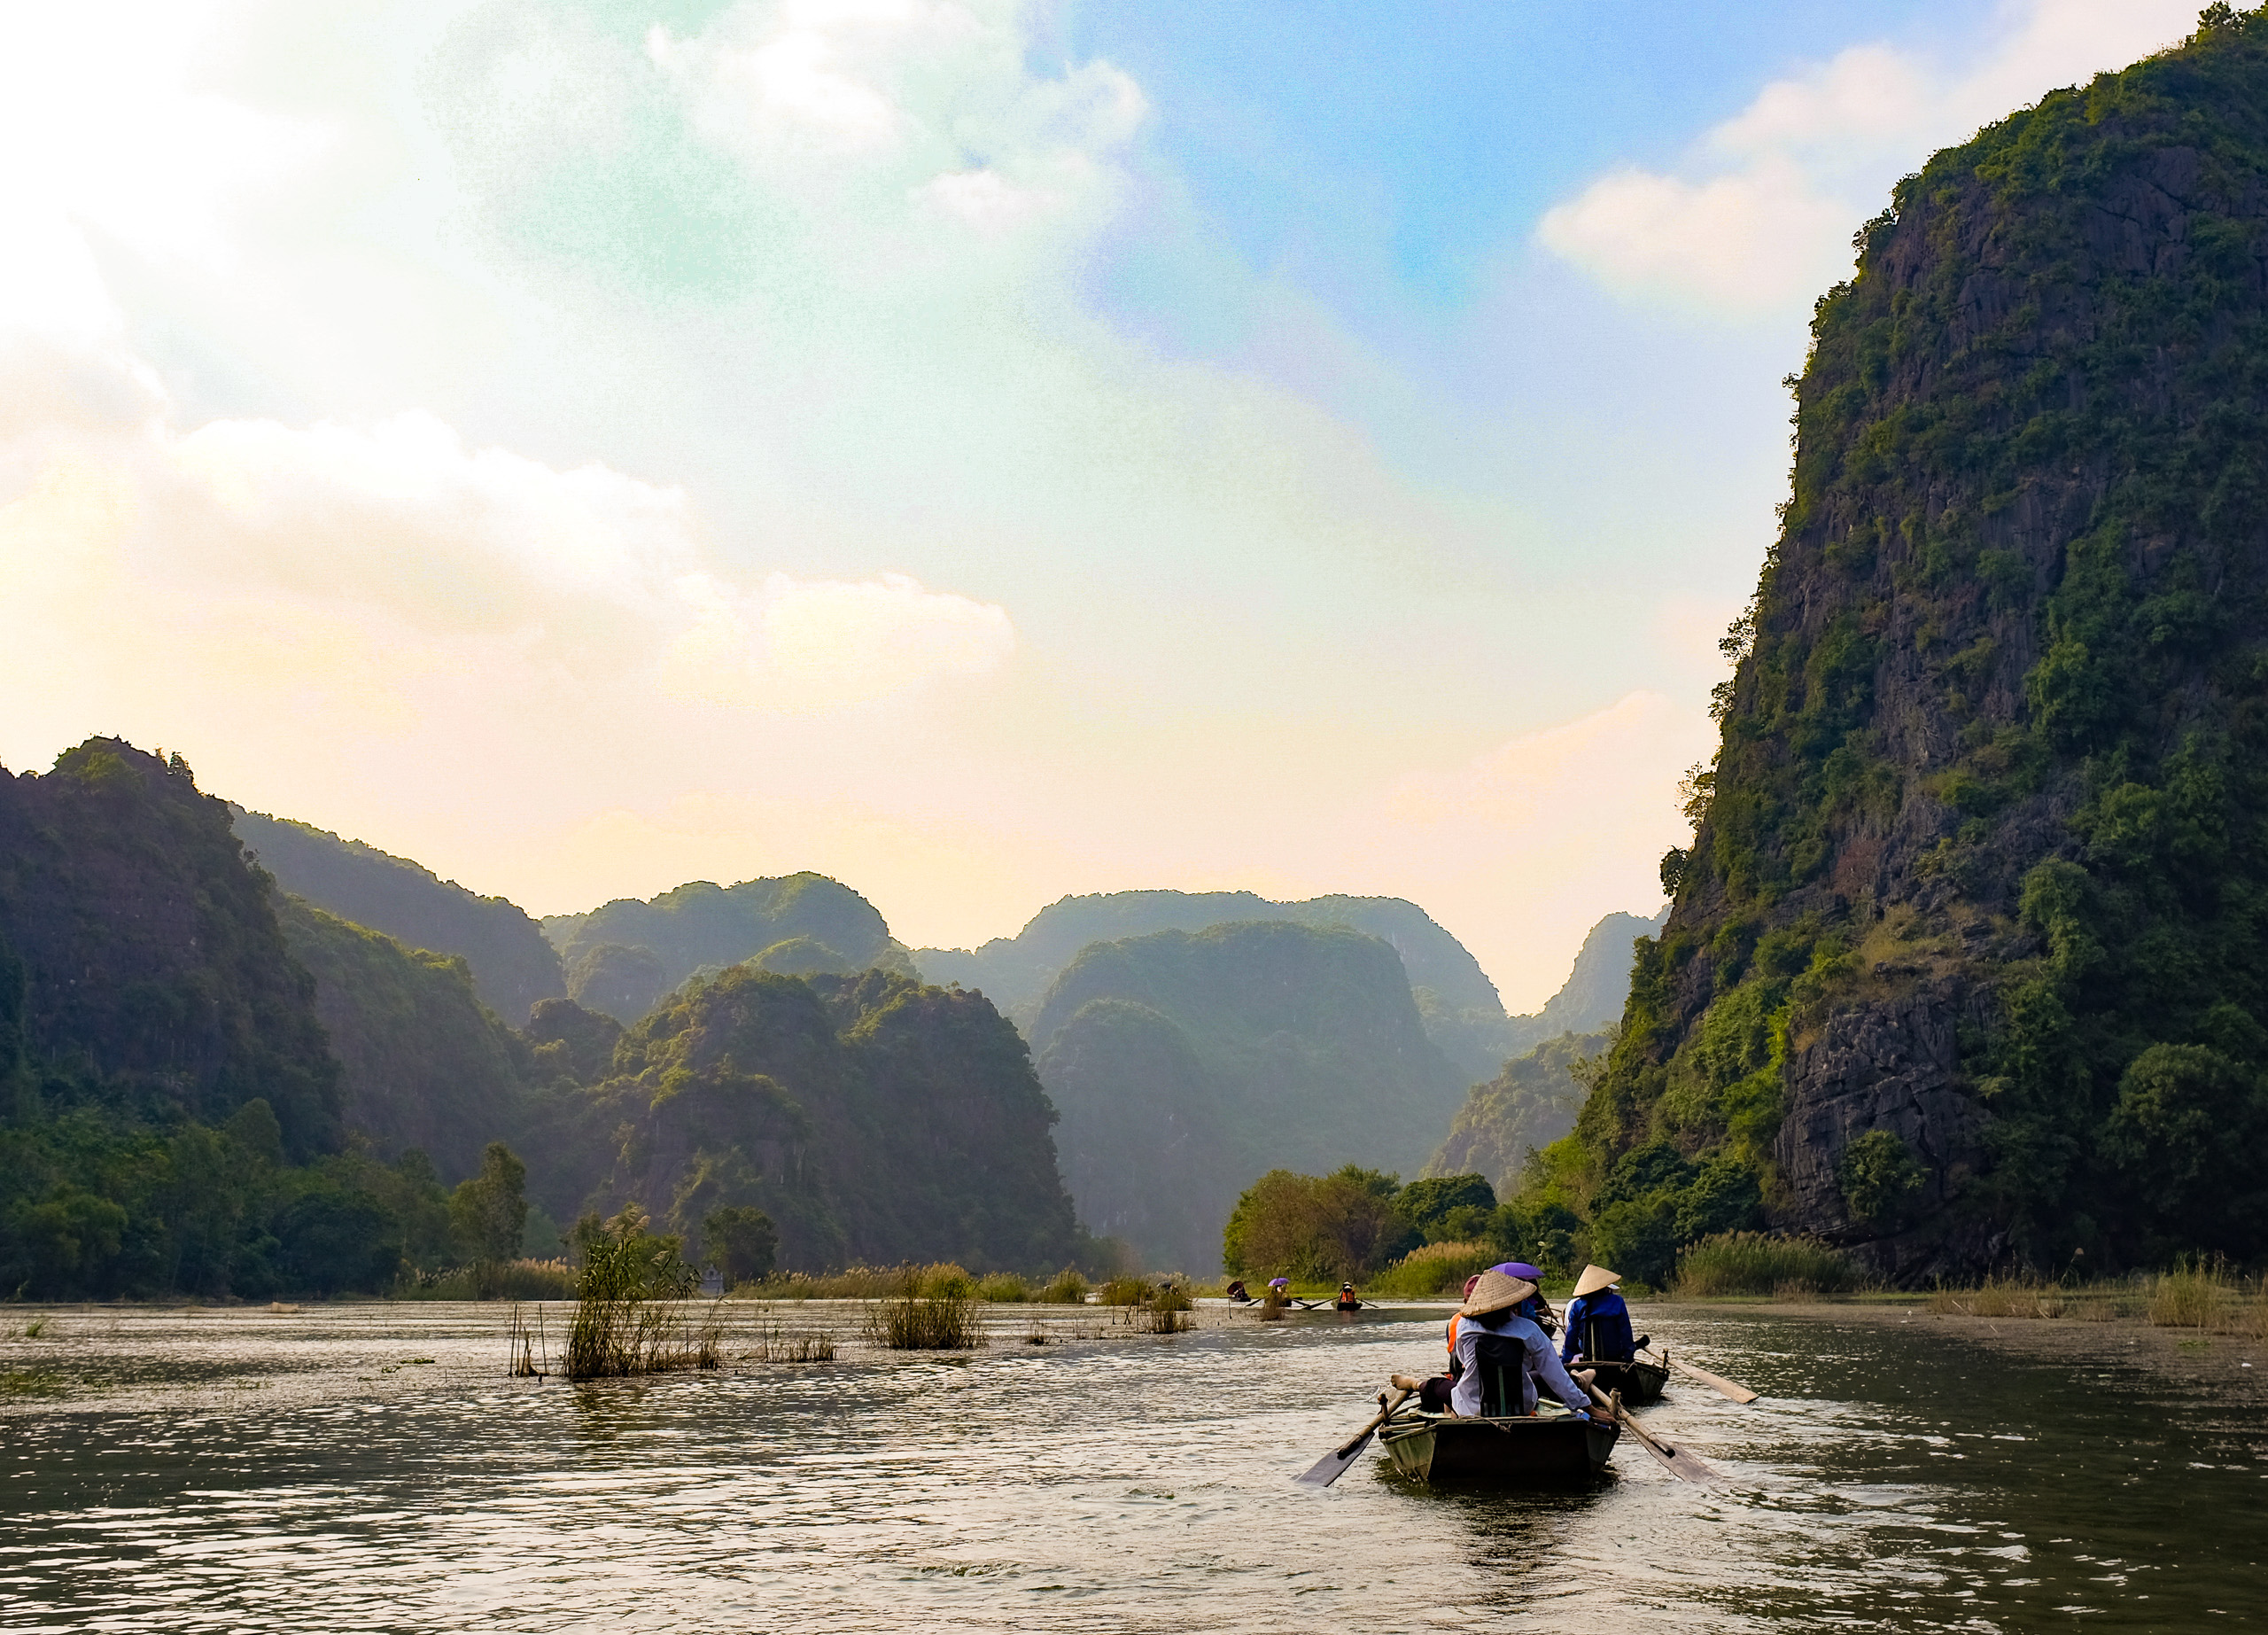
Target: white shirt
[(1543, 1363)]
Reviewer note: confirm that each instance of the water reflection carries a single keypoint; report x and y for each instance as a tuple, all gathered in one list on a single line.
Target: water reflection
[(1895, 1478)]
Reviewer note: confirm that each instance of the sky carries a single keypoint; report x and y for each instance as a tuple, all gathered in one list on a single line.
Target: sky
[(981, 452)]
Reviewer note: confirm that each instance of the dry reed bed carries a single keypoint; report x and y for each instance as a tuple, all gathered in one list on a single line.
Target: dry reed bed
[(2204, 1295)]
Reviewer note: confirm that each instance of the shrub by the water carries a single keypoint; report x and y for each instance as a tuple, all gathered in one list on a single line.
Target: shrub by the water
[(1757, 1262), (1066, 1287), (1003, 1288), (1122, 1291), (491, 1280)]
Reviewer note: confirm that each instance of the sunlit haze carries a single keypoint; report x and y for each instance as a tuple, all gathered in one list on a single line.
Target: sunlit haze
[(979, 452)]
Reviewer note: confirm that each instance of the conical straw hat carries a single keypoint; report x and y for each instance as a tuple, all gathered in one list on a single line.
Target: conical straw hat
[(1594, 1279), (1494, 1292)]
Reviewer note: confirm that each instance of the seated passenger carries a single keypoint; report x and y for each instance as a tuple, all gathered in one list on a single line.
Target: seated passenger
[(1491, 1331), (1598, 1324), (1237, 1296), (1535, 1308), (1347, 1301)]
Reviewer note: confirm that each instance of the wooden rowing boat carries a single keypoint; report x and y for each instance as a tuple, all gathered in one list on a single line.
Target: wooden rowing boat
[(1538, 1451), (1639, 1381)]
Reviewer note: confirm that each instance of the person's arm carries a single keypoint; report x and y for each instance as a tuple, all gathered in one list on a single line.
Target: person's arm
[(1548, 1368), (1464, 1396)]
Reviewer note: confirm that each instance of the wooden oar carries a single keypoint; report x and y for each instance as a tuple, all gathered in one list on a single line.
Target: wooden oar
[(1727, 1388), (1678, 1461), (1333, 1465)]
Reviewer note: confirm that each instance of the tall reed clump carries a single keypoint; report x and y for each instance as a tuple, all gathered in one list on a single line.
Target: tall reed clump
[(1167, 1311), (1003, 1288), (1432, 1270), (921, 1321), (1757, 1262), (1123, 1291), (1068, 1287), (1999, 1296), (491, 1280), (2199, 1294), (630, 1315)]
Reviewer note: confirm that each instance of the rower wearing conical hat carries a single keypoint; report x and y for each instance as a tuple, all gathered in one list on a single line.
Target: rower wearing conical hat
[(1491, 1327), (1598, 1324)]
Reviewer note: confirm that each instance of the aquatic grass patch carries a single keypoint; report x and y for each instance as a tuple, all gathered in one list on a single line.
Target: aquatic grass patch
[(1762, 1263), (1123, 1291), (2015, 1297), (939, 1278), (1003, 1288), (491, 1280), (1432, 1270), (1169, 1310), (926, 1316), (631, 1312), (15, 1382), (775, 1343), (2199, 1294), (1068, 1287)]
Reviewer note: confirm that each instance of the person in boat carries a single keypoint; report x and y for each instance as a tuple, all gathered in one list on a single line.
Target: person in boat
[(1598, 1323), (1491, 1331), (1237, 1296), (1347, 1302), (1535, 1308)]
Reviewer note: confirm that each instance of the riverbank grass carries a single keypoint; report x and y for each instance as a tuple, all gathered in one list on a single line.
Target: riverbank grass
[(1430, 1271), (1759, 1263)]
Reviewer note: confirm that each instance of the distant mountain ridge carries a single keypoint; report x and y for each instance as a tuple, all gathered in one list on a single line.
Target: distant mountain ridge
[(512, 965), (1185, 1064), (795, 925)]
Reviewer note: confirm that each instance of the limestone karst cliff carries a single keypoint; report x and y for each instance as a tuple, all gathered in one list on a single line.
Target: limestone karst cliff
[(1966, 963)]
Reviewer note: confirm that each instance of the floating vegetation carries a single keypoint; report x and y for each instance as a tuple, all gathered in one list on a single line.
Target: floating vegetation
[(1757, 1262), (30, 1383), (630, 1314)]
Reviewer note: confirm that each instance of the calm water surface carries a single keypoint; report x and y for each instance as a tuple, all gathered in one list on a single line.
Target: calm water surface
[(370, 1469)]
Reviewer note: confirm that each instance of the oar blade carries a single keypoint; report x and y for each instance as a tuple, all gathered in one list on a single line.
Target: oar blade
[(1682, 1464), (1727, 1388), (1334, 1465)]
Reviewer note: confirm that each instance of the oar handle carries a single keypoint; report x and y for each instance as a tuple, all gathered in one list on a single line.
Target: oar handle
[(1385, 1413)]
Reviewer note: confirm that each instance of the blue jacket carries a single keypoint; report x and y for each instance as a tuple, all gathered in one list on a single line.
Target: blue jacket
[(1598, 1328)]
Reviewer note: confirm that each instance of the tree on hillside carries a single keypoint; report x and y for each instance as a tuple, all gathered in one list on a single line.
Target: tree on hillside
[(489, 1212)]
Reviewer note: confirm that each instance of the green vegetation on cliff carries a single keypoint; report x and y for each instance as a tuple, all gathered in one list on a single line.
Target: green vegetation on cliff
[(624, 957), (873, 1120), (1967, 962), (1529, 1105), (512, 965)]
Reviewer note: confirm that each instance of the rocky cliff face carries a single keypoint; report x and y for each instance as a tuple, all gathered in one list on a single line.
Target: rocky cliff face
[(1967, 953)]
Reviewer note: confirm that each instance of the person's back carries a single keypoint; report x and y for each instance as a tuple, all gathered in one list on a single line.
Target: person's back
[(1517, 1355), (1598, 1328)]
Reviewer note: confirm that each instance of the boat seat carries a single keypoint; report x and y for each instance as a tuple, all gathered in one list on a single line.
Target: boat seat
[(1501, 1362)]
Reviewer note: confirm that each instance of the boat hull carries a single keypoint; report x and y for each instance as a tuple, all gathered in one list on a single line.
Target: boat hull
[(1445, 1450), (1640, 1382)]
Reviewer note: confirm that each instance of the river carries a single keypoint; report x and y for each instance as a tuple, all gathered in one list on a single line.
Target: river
[(372, 1468)]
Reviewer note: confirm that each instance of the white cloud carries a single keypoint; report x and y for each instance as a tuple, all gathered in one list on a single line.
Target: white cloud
[(1759, 221)]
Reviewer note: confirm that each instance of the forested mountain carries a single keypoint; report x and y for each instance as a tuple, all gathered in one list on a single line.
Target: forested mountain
[(1530, 1104), (1460, 1003), (423, 1063), (622, 958), (207, 1087), (512, 965), (1966, 964), (875, 1119), (1184, 1064), (156, 976)]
